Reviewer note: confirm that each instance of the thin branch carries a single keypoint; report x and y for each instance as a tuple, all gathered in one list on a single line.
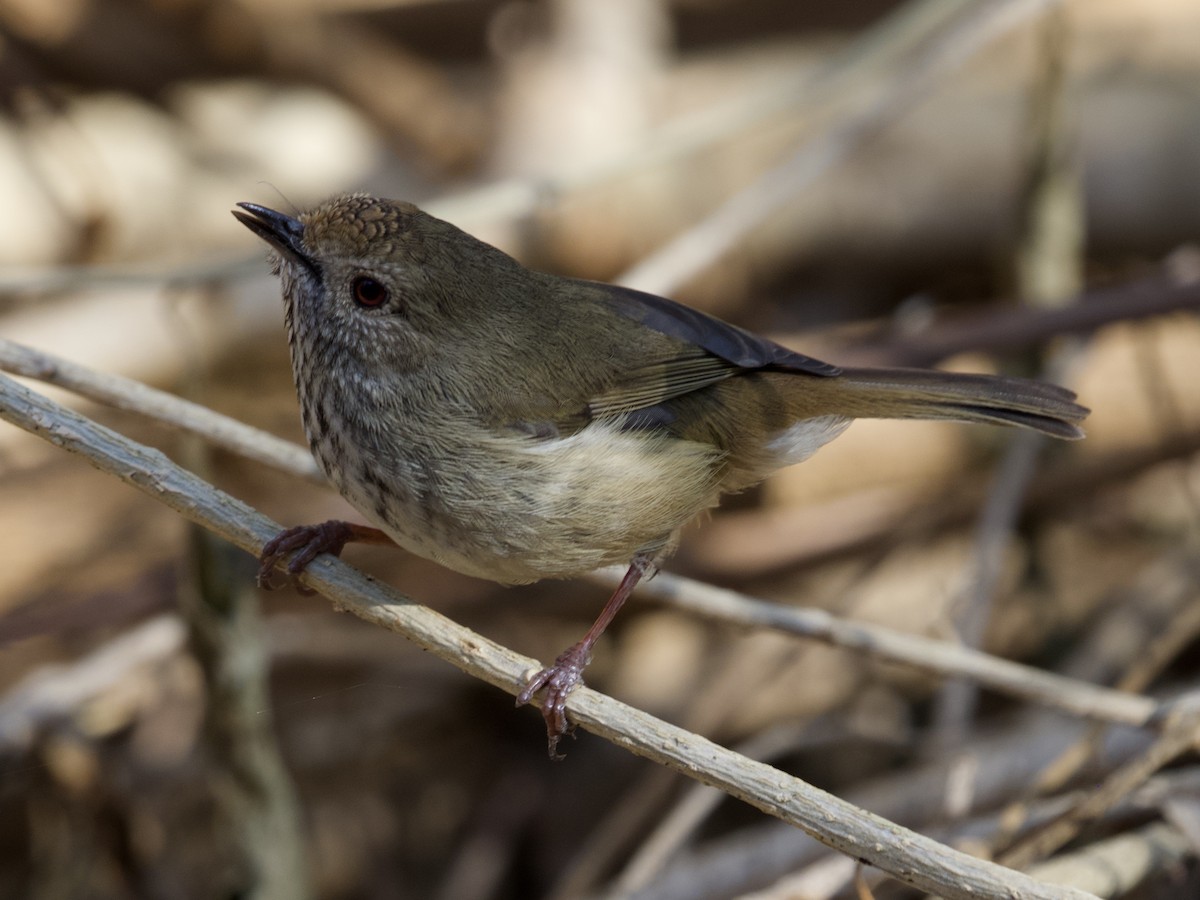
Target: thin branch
[(823, 876), (127, 394), (926, 654), (1010, 328), (1181, 734), (1117, 865), (731, 864), (910, 857)]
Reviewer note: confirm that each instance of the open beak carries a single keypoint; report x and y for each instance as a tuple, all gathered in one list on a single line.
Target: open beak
[(282, 232)]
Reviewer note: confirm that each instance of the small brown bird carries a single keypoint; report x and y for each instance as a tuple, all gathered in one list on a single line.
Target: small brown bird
[(515, 425)]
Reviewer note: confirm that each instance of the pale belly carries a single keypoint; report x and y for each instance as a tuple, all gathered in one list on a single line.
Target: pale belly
[(514, 509)]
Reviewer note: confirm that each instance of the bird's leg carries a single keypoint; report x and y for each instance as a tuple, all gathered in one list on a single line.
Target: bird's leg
[(560, 679), (310, 541)]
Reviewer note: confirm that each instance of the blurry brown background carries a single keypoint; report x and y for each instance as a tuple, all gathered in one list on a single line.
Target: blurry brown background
[(581, 137)]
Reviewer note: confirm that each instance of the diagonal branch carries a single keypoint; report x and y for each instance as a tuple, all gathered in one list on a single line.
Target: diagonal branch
[(937, 657), (910, 857), (133, 396)]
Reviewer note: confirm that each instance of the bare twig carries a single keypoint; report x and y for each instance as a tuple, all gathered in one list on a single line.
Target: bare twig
[(912, 858), (1115, 866), (927, 654), (1180, 734), (824, 876), (754, 856), (1014, 328), (127, 394)]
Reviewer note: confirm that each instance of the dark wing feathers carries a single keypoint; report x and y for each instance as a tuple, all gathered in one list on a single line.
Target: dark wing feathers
[(735, 345)]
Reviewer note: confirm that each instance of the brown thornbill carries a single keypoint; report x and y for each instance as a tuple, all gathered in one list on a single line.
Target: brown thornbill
[(516, 425)]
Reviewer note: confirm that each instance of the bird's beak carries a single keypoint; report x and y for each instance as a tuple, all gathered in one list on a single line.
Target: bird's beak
[(282, 232)]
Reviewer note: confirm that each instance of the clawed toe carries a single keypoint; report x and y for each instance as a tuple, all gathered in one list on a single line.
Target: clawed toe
[(306, 542), (558, 681)]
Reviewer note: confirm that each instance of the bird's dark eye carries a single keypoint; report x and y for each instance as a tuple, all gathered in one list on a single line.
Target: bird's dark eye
[(368, 292)]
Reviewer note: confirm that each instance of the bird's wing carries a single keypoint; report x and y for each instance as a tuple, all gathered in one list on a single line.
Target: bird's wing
[(656, 382), (734, 345), (678, 351)]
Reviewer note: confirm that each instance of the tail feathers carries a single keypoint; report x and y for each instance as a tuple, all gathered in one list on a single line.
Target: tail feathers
[(926, 394)]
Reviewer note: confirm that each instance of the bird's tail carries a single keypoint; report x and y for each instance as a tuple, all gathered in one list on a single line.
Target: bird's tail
[(925, 394)]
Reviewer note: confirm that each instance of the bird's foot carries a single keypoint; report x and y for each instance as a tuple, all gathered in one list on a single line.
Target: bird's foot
[(558, 680), (307, 542)]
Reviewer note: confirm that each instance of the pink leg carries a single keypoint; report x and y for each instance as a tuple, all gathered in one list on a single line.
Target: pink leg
[(560, 679), (309, 542)]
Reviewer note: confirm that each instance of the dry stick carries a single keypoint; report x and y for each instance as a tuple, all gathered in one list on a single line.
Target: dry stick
[(1155, 658), (762, 853), (732, 608), (1115, 866), (938, 657), (831, 870), (127, 394), (685, 816), (645, 813), (697, 248), (1009, 328), (910, 857), (927, 654), (1181, 734)]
